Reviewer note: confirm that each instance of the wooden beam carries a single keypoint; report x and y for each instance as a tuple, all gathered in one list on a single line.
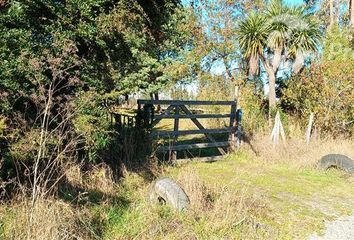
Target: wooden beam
[(181, 102), (191, 146), (188, 132), (187, 116), (173, 153), (232, 137), (200, 126), (166, 113), (201, 159)]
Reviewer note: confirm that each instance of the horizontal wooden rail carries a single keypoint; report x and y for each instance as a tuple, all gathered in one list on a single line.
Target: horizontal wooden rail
[(180, 102), (192, 116), (200, 159), (191, 146), (187, 132)]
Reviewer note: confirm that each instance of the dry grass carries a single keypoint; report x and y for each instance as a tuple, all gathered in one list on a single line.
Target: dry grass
[(52, 219), (297, 152), (274, 195), (201, 197), (222, 212), (99, 178)]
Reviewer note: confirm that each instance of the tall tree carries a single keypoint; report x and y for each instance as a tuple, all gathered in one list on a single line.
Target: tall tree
[(276, 35), (351, 12), (215, 44)]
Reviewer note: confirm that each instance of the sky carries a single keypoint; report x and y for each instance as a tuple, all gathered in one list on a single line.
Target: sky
[(218, 68), (294, 2)]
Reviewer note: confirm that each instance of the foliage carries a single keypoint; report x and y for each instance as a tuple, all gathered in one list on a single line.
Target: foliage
[(254, 111), (52, 52), (277, 35), (2, 125), (327, 91), (122, 44), (92, 122)]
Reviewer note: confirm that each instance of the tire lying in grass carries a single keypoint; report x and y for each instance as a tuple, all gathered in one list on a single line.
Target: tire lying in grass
[(167, 191), (338, 161)]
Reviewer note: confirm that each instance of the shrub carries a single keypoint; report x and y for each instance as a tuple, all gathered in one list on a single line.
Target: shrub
[(327, 91), (92, 123)]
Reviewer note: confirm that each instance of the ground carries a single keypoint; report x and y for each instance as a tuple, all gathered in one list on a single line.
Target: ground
[(277, 193)]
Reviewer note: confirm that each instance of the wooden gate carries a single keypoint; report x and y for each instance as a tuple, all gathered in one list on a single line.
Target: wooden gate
[(177, 109)]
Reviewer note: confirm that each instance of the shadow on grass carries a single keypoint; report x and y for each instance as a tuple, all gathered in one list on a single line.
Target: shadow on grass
[(100, 207), (80, 196)]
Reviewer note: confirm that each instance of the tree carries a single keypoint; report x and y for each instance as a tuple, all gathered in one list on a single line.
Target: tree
[(351, 12), (120, 42), (326, 88), (213, 49), (54, 53), (277, 35)]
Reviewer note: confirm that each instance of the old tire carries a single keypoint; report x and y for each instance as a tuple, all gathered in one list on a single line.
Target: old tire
[(167, 191), (338, 161)]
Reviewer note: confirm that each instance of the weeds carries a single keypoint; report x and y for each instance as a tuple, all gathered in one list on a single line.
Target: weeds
[(275, 195)]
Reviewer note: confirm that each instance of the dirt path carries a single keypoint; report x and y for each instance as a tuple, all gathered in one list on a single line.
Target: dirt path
[(340, 229)]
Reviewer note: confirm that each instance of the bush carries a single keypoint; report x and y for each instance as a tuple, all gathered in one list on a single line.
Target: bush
[(92, 123), (327, 91)]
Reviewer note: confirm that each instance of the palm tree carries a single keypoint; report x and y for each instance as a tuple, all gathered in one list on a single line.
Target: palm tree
[(304, 39), (277, 34)]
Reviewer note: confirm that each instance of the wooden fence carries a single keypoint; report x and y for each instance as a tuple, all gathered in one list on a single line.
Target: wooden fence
[(177, 110)]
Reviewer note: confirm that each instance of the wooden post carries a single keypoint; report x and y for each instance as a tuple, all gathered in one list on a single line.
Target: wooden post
[(139, 115), (232, 138), (278, 130), (173, 153), (200, 126), (309, 128), (239, 129)]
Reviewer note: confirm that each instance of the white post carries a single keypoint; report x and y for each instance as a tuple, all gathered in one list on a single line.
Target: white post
[(278, 130), (309, 128)]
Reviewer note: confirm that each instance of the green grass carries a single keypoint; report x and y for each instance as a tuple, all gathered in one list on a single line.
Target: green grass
[(287, 201), (241, 197)]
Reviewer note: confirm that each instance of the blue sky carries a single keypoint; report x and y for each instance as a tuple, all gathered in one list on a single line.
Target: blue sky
[(294, 2), (218, 68)]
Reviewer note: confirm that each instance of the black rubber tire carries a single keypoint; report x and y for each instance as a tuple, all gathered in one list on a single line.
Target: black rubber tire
[(167, 191), (338, 161)]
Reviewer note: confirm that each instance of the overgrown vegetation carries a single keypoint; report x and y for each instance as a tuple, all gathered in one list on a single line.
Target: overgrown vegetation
[(68, 66), (270, 196)]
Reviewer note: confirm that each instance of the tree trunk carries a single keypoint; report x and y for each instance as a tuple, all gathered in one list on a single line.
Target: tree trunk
[(271, 94), (157, 98), (351, 12), (298, 63), (253, 65), (271, 76), (231, 77), (337, 11), (331, 12), (277, 58)]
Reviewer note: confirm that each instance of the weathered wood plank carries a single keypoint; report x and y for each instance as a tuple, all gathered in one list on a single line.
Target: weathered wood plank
[(188, 132), (166, 113), (181, 102), (173, 153), (200, 159), (187, 116), (191, 146), (232, 137), (201, 127)]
